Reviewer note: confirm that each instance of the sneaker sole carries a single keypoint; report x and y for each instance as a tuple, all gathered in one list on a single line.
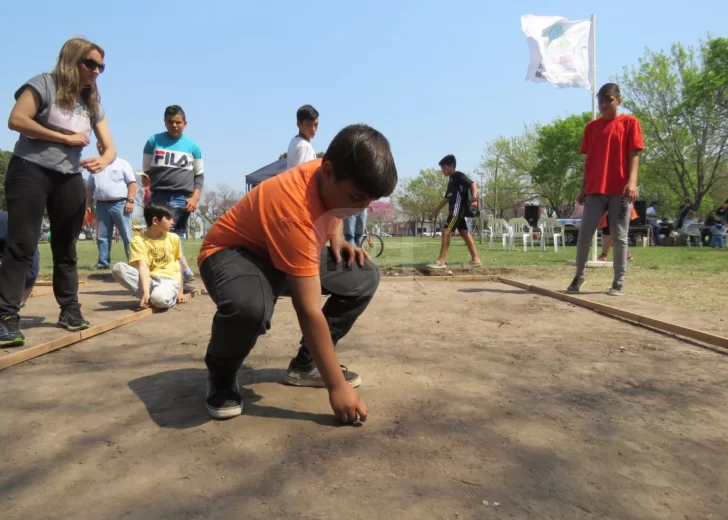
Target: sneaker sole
[(436, 267), (224, 413), (71, 329), (310, 383), (15, 343), (615, 294)]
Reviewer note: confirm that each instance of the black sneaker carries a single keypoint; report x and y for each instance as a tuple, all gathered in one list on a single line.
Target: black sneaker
[(72, 320), (617, 289), (309, 375), (576, 283), (10, 335), (223, 397)]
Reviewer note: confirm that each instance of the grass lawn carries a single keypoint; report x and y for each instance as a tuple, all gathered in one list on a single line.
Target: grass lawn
[(692, 277)]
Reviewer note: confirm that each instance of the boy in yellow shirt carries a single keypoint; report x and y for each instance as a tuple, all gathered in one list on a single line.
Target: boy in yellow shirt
[(153, 273)]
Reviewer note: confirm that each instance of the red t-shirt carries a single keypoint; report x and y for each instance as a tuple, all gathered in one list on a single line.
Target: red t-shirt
[(606, 143)]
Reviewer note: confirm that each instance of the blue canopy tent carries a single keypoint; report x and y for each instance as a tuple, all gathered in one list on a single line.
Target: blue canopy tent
[(266, 172)]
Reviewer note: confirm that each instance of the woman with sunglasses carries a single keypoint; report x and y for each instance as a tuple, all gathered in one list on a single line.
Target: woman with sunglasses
[(54, 115)]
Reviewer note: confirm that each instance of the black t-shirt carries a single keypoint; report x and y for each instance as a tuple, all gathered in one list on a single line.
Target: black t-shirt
[(458, 195)]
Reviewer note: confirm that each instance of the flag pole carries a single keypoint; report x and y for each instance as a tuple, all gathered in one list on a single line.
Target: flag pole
[(593, 58)]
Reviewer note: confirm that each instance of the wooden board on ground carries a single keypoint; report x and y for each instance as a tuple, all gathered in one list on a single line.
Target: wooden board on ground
[(108, 307), (647, 321), (49, 283)]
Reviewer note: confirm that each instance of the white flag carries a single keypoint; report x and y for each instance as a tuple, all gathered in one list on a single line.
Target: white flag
[(560, 50)]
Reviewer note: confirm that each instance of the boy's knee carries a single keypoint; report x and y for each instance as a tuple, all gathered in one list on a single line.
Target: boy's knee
[(371, 277), (162, 299), (249, 312), (117, 272)]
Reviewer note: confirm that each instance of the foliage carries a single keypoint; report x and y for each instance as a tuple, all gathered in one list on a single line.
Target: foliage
[(4, 160), (680, 99), (418, 198), (214, 203), (506, 167), (558, 174)]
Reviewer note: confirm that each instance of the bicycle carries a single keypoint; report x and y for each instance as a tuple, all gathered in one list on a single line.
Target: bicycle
[(372, 244)]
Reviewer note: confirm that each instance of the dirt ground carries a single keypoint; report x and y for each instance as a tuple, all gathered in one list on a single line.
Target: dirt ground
[(485, 402)]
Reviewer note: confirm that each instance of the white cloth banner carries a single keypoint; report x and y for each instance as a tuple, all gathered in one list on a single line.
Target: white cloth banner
[(560, 50)]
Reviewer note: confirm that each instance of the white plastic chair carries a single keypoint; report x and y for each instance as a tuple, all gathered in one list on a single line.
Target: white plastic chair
[(551, 229), (499, 227), (520, 230), (693, 231)]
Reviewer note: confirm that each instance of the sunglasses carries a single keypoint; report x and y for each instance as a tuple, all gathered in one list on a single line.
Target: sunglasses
[(93, 65)]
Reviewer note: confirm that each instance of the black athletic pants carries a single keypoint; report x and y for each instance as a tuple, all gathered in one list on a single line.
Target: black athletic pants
[(245, 288), (30, 190)]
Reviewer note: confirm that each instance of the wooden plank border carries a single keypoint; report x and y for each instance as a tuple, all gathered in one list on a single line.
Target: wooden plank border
[(435, 278), (49, 283), (28, 353), (640, 319)]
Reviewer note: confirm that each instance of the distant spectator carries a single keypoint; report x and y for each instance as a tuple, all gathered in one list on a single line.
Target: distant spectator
[(721, 214), (651, 215), (685, 207)]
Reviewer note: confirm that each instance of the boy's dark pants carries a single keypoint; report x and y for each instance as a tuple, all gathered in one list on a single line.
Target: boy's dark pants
[(245, 288)]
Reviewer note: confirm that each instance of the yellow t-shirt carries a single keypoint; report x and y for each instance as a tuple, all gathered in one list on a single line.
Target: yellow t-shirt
[(161, 255)]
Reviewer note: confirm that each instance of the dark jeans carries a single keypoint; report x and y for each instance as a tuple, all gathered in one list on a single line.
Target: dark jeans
[(29, 190), (245, 288)]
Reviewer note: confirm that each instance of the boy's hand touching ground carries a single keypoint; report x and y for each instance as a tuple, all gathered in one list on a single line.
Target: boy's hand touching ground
[(144, 302), (347, 405)]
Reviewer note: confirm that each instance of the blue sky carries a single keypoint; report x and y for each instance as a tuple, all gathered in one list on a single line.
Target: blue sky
[(435, 77)]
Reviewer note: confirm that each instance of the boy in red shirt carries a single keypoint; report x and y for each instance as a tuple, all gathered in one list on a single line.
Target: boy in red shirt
[(274, 241), (612, 144)]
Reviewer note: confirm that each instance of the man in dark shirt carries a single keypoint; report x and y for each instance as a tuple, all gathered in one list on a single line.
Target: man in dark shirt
[(32, 275), (721, 214), (461, 197)]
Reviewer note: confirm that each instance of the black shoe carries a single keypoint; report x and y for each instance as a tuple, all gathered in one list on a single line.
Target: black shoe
[(223, 397), (308, 375), (617, 289), (10, 335), (576, 283), (72, 320)]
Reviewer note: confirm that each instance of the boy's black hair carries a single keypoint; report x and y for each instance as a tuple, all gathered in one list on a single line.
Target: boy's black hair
[(174, 110), (448, 160), (362, 155), (306, 113), (609, 90), (157, 209)]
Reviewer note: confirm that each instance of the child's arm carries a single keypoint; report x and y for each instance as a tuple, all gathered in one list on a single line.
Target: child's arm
[(630, 191), (439, 207), (306, 297), (474, 195), (144, 278)]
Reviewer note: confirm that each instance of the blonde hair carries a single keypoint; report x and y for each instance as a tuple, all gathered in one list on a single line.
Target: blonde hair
[(65, 75)]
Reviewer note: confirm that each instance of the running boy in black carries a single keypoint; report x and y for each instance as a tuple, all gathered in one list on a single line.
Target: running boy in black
[(461, 197)]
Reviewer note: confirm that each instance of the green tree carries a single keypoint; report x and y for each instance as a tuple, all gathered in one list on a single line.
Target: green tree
[(557, 176), (680, 99), (4, 161), (506, 167), (418, 197)]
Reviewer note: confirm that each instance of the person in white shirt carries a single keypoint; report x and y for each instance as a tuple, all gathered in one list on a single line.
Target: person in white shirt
[(651, 217), (114, 190), (300, 149)]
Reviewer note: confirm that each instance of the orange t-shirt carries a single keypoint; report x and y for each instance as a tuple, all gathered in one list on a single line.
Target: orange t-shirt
[(606, 143), (282, 219)]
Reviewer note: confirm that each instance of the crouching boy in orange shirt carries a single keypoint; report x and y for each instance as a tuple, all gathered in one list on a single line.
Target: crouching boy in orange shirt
[(274, 240)]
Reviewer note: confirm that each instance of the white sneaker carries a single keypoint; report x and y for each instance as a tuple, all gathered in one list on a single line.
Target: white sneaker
[(435, 265)]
